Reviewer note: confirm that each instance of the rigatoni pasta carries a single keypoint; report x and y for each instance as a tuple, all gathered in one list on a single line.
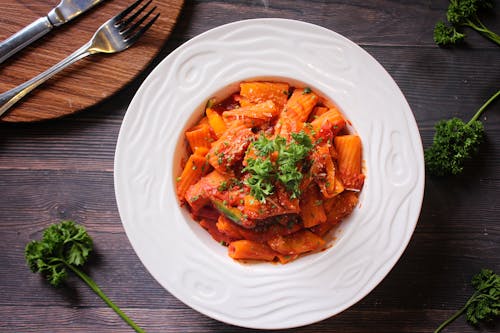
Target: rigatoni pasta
[(200, 136), (349, 160), (271, 170)]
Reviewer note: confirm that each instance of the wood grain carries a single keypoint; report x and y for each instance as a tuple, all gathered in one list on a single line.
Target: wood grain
[(90, 80), (63, 169), (97, 319)]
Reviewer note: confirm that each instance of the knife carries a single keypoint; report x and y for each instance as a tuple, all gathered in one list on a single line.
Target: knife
[(62, 13)]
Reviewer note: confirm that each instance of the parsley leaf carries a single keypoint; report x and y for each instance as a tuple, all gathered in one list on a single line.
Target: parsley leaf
[(264, 173), (66, 246), (264, 146), (446, 35), (464, 14), (484, 304), (261, 181), (455, 142)]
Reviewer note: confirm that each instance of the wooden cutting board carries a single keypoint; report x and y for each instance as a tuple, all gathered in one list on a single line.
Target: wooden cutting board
[(88, 81)]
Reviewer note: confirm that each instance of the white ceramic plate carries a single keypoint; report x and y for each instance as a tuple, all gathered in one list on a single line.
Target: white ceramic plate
[(182, 256)]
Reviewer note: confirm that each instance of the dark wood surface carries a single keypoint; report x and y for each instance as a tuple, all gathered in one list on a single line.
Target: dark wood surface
[(63, 169), (90, 80)]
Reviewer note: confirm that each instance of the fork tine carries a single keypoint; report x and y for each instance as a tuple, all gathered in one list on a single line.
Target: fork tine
[(129, 31), (129, 20), (131, 40), (127, 11)]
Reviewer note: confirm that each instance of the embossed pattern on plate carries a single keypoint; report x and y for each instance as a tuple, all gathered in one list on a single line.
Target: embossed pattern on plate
[(182, 256)]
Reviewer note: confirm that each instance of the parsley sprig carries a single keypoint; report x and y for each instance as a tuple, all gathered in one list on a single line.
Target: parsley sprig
[(285, 169), (462, 14), (261, 181), (484, 304), (66, 247), (455, 142)]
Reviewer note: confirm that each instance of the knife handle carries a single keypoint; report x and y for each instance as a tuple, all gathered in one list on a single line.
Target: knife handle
[(11, 97), (24, 37)]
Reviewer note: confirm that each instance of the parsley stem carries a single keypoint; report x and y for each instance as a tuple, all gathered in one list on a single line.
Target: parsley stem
[(459, 312), (483, 30), (482, 108), (455, 315), (452, 318), (105, 298)]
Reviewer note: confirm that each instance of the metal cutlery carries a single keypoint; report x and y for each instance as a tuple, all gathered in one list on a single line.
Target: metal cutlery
[(115, 35), (62, 13)]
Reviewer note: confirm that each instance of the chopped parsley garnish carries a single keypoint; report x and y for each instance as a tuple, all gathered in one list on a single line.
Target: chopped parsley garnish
[(220, 158), (306, 90), (229, 184), (260, 183), (223, 186), (318, 202), (264, 172), (194, 198), (264, 146)]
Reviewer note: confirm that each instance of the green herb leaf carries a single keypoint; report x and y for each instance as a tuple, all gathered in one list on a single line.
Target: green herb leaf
[(484, 304), (65, 247), (445, 35), (261, 181), (264, 146), (454, 143), (265, 173), (464, 14)]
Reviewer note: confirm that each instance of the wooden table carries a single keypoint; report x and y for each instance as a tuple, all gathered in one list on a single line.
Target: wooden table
[(63, 169)]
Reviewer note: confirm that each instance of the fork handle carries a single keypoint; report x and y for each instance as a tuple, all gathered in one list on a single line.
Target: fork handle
[(24, 37), (11, 97)]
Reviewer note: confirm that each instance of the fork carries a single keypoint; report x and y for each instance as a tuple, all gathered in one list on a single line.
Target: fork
[(115, 35)]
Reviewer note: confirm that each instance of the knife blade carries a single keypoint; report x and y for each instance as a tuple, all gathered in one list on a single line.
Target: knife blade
[(64, 12)]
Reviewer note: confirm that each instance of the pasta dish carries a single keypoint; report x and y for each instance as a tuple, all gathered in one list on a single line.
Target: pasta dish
[(271, 170)]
